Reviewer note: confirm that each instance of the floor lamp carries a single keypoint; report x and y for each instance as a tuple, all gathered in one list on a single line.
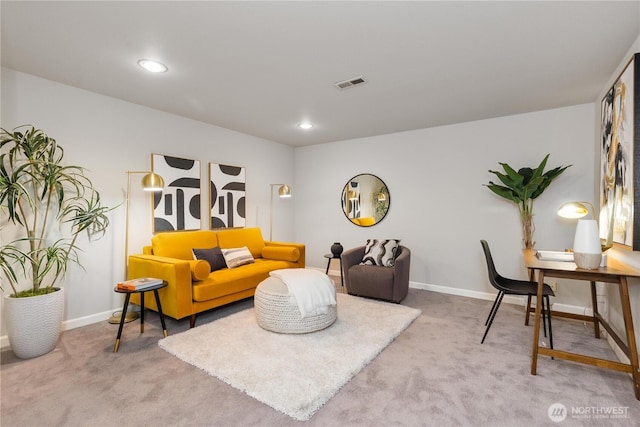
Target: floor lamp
[(150, 182), (284, 191)]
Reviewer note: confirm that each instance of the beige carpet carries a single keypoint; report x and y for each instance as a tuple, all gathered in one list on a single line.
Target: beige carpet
[(295, 374)]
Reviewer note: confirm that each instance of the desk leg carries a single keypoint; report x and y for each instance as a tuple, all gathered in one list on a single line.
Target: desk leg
[(594, 306), (536, 327), (124, 314), (142, 312), (631, 337)]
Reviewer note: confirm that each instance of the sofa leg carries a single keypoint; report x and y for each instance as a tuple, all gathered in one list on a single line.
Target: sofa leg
[(192, 321)]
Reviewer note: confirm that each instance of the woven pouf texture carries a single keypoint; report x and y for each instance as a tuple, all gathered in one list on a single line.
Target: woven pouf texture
[(277, 310)]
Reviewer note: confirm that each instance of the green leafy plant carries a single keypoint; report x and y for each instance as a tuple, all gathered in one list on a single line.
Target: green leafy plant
[(48, 205), (522, 188)]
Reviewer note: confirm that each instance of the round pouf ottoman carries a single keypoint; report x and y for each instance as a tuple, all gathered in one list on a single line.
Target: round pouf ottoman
[(277, 310)]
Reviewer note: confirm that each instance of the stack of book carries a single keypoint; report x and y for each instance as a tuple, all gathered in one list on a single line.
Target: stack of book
[(139, 284)]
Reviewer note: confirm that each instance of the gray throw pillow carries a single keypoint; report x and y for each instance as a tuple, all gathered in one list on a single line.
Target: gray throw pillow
[(212, 255)]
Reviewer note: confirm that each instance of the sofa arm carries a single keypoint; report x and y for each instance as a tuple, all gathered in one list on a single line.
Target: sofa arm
[(177, 297), (299, 246)]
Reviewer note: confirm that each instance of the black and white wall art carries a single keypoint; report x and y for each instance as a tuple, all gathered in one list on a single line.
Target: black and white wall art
[(227, 196), (177, 206), (620, 159)]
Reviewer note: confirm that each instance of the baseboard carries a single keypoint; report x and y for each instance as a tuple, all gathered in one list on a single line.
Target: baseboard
[(69, 324), (509, 299)]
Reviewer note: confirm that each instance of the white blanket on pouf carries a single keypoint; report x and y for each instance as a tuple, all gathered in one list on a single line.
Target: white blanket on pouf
[(314, 291)]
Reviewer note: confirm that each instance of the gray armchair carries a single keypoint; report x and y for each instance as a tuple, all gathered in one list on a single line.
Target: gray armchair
[(372, 281)]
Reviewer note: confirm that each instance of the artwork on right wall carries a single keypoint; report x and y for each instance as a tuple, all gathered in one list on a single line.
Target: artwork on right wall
[(227, 196), (619, 160)]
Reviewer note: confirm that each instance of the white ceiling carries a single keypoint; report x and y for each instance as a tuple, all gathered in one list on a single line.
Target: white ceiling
[(262, 67)]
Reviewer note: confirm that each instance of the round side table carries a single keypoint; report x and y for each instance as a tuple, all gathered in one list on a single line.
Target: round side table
[(128, 294), (329, 258)]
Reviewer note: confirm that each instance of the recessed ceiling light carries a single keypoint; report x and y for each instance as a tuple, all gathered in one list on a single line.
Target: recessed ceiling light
[(305, 126), (152, 66)]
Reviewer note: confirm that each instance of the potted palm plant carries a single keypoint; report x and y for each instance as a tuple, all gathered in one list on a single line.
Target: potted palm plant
[(522, 188), (45, 206)]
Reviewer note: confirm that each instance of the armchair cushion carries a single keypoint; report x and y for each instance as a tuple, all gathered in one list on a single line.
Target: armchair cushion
[(212, 255), (380, 252), (281, 253)]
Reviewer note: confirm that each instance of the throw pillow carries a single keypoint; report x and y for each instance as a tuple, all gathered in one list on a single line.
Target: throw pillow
[(212, 255), (380, 252), (235, 257), (281, 253), (200, 269)]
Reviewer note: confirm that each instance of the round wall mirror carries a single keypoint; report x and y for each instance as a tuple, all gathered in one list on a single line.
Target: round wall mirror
[(365, 200)]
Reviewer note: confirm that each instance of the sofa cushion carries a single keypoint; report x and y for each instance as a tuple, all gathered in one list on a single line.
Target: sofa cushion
[(380, 252), (178, 244), (235, 257), (239, 237), (200, 269), (228, 281), (212, 255), (281, 253)]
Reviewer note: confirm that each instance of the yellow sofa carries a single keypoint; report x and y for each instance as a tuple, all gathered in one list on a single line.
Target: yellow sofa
[(192, 287)]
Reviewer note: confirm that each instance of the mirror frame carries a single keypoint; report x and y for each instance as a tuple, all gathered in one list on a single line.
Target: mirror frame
[(382, 202)]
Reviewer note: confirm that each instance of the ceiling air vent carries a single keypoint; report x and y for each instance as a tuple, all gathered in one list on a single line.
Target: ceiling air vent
[(355, 81)]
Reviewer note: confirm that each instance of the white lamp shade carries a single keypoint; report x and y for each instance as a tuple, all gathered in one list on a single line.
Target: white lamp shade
[(587, 238)]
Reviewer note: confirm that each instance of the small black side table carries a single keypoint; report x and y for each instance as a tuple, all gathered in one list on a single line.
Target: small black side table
[(127, 293), (329, 258)]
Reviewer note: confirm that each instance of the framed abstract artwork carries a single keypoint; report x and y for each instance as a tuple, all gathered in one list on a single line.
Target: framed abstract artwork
[(226, 196), (620, 159), (177, 206)]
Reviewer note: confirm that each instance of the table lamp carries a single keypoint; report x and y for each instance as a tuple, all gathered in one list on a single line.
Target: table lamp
[(587, 249)]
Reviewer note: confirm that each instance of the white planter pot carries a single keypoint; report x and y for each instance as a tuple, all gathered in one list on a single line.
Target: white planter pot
[(34, 323)]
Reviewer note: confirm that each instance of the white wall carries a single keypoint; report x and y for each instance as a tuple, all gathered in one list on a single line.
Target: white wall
[(108, 137), (439, 205)]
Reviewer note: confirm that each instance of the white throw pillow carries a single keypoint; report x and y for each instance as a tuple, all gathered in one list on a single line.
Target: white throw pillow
[(380, 252), (235, 257)]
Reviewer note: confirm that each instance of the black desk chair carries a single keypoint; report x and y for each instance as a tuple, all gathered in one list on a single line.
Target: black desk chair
[(515, 287)]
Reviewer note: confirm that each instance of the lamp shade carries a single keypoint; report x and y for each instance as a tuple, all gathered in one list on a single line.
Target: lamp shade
[(587, 251), (152, 182), (574, 209), (284, 191)]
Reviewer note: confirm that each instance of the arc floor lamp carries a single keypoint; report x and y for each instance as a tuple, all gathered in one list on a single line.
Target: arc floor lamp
[(150, 182), (284, 191)]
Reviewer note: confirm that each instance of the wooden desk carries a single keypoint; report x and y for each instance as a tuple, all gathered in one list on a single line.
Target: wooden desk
[(615, 272)]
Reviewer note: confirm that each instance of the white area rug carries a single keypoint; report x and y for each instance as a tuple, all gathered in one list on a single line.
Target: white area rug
[(295, 374)]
